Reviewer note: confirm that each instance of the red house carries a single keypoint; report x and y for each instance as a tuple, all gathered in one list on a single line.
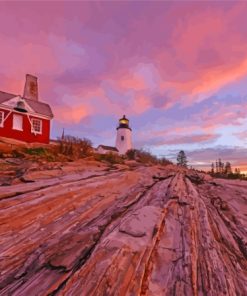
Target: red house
[(25, 118)]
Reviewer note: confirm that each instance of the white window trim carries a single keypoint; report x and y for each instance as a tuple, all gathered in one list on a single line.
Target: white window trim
[(2, 122), (17, 129), (41, 126)]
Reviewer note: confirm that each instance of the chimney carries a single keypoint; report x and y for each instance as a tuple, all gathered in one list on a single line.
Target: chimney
[(31, 88)]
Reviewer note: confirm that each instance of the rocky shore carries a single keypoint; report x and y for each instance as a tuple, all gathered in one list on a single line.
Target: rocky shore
[(94, 229)]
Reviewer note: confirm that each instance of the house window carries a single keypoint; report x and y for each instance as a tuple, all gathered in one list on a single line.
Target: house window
[(1, 118), (122, 138), (36, 126), (18, 122)]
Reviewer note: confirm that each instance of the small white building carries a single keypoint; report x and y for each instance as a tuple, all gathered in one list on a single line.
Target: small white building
[(103, 149)]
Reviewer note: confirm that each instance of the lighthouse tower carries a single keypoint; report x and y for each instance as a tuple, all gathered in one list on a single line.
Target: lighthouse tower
[(123, 140)]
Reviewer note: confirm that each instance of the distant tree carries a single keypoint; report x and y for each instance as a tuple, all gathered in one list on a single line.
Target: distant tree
[(212, 168), (237, 171), (222, 170), (228, 168), (217, 166), (220, 166), (182, 159)]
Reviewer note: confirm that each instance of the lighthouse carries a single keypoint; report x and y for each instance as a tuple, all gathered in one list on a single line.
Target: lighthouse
[(123, 140)]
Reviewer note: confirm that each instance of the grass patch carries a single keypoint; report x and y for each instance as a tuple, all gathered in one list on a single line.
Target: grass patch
[(36, 151)]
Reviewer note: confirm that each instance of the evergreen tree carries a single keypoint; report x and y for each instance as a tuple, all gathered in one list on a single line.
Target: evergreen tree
[(237, 171), (228, 168), (212, 168), (182, 159), (220, 166)]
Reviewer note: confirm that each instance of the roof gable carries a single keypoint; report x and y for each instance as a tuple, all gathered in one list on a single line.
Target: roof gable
[(41, 108), (13, 102)]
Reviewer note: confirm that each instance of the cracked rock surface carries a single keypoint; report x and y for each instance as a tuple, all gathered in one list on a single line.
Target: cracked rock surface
[(144, 230)]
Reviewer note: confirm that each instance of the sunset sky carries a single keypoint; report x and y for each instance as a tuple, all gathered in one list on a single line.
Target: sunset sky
[(178, 70)]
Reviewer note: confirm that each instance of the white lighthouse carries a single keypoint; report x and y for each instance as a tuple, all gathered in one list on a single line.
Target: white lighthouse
[(123, 140)]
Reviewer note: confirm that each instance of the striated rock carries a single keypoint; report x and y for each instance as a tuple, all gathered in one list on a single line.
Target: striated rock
[(139, 231), (138, 224)]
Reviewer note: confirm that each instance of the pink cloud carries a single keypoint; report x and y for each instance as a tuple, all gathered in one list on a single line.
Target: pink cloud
[(221, 115), (112, 58), (71, 114), (190, 139), (241, 135), (167, 140)]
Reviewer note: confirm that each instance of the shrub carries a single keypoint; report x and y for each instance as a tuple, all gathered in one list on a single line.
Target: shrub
[(17, 154), (131, 154), (146, 157), (75, 147), (109, 157), (164, 161)]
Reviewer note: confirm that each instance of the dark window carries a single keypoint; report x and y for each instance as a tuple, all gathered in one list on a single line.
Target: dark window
[(122, 138)]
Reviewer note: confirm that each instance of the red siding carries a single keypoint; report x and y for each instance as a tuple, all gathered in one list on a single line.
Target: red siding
[(26, 135)]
